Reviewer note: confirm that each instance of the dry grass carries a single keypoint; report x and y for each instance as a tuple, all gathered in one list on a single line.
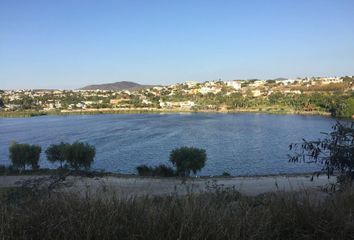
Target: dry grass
[(220, 214)]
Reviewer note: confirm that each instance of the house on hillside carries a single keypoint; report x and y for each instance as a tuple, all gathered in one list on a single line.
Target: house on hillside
[(286, 81), (328, 80), (186, 105), (258, 83), (234, 84), (191, 84), (206, 90)]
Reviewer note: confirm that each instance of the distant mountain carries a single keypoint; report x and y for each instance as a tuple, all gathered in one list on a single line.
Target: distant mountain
[(124, 85)]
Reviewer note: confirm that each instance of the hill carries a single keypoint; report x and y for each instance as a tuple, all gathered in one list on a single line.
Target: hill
[(124, 85)]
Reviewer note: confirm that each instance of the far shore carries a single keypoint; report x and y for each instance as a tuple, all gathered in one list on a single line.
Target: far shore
[(269, 110)]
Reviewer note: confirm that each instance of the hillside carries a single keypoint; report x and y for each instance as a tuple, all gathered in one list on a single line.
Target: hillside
[(124, 85)]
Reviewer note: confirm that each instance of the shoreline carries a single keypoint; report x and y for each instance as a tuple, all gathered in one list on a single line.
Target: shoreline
[(102, 173), (24, 114), (131, 175)]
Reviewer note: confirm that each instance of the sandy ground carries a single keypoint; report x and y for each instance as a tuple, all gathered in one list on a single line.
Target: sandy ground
[(138, 186)]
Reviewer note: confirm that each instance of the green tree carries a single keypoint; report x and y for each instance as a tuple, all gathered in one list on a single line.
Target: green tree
[(23, 155), (57, 153), (335, 151), (2, 103), (80, 155), (187, 159), (346, 109)]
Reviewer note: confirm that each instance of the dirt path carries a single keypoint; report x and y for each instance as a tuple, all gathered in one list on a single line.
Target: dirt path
[(137, 186)]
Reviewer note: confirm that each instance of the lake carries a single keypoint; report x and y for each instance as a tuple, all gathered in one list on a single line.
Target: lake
[(241, 144)]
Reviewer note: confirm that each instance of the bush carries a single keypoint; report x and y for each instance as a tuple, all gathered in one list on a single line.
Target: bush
[(346, 108), (164, 171), (80, 155), (335, 151), (160, 171), (23, 155), (2, 169), (144, 170), (187, 159)]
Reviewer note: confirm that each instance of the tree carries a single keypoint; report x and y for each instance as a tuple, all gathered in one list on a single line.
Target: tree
[(335, 151), (23, 155), (57, 153), (80, 155), (187, 159), (2, 103), (346, 109)]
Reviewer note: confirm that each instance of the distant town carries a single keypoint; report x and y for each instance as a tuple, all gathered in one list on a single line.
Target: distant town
[(317, 95)]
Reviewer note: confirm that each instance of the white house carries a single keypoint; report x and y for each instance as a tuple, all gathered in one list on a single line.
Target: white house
[(258, 83), (81, 105), (234, 84), (191, 84), (206, 90), (147, 102), (328, 80)]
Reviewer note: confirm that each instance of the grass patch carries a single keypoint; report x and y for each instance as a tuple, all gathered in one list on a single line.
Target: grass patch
[(21, 114), (219, 214)]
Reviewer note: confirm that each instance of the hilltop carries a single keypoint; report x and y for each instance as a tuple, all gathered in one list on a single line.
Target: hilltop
[(124, 85)]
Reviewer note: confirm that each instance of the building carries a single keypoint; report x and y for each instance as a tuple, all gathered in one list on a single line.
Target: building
[(234, 84), (187, 105), (328, 80), (206, 90), (81, 105), (286, 81), (191, 84), (146, 102), (258, 83)]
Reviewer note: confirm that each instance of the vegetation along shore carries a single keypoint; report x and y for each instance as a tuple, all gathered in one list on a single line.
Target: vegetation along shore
[(316, 96)]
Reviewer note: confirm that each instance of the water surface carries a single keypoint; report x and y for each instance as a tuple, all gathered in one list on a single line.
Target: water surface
[(241, 144)]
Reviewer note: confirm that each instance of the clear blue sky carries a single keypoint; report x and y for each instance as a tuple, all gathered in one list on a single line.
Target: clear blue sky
[(72, 43)]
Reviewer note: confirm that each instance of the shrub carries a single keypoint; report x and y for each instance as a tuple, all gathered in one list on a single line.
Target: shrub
[(160, 170), (80, 155), (187, 159), (2, 169), (23, 155), (144, 170), (164, 171)]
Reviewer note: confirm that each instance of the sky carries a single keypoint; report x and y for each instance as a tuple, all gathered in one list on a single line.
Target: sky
[(68, 44)]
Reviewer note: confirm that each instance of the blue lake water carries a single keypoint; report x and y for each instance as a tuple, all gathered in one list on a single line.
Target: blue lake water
[(241, 144)]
